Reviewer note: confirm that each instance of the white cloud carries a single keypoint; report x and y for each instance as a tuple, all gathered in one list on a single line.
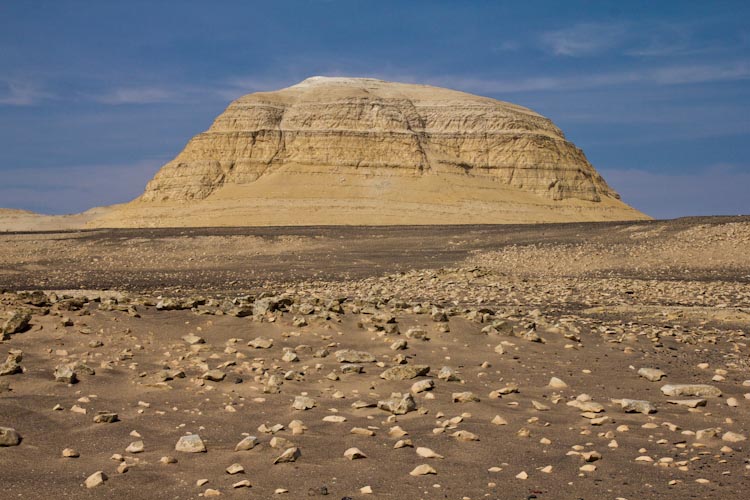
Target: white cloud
[(15, 92), (138, 95), (584, 39), (644, 39), (660, 75), (716, 190), (702, 73), (224, 90)]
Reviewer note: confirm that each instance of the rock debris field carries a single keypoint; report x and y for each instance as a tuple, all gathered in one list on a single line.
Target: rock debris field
[(593, 361)]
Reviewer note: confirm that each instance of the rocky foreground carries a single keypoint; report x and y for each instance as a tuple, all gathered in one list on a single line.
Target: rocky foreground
[(598, 368)]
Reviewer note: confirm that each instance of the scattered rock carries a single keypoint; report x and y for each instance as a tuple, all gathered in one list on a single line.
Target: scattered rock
[(96, 479), (498, 420), (539, 406), (427, 453), (398, 405), (261, 343), (11, 365), (351, 356), (422, 470), (214, 375), (556, 383), (16, 323), (733, 437), (9, 437), (636, 406), (290, 455), (354, 453), (290, 357), (193, 339), (448, 374), (416, 333), (192, 443), (690, 403), (303, 403), (405, 372), (688, 390), (399, 345), (105, 417), (651, 374), (135, 447), (264, 306), (247, 443), (235, 469), (421, 386), (280, 443), (465, 397), (465, 436), (65, 374)]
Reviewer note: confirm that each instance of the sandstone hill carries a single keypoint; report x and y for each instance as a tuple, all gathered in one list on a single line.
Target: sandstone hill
[(24, 220), (350, 151)]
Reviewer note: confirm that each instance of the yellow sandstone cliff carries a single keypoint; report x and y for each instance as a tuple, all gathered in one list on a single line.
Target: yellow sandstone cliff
[(366, 151)]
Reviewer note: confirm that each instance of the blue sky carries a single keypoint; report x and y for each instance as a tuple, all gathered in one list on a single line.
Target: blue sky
[(96, 95)]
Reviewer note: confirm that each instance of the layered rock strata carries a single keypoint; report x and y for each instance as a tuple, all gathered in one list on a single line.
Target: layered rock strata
[(360, 150)]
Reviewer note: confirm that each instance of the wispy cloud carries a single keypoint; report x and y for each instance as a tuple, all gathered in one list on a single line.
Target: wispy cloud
[(645, 39), (715, 190), (137, 95), (14, 92), (702, 73), (584, 39), (667, 75), (226, 89), (507, 46)]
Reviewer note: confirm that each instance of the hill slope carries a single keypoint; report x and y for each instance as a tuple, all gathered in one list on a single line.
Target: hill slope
[(364, 151)]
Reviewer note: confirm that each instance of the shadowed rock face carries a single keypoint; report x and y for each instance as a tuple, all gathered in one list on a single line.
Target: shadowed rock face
[(370, 127)]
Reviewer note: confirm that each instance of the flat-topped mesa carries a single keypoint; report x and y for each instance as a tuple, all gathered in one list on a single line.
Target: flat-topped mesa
[(367, 127)]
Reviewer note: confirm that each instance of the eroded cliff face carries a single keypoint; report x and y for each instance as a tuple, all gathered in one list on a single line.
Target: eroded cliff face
[(358, 151), (365, 127)]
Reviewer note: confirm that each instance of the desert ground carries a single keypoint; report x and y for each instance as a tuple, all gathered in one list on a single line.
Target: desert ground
[(552, 361)]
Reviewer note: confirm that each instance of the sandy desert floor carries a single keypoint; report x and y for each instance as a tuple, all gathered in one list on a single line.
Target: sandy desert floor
[(593, 361)]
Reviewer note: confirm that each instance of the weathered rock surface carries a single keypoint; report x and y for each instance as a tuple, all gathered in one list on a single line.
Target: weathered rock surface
[(346, 150), (289, 455), (687, 390), (351, 356), (247, 443), (398, 405), (17, 322), (405, 372), (66, 374), (191, 443), (637, 406), (96, 479), (652, 374), (303, 403), (11, 365), (9, 437)]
